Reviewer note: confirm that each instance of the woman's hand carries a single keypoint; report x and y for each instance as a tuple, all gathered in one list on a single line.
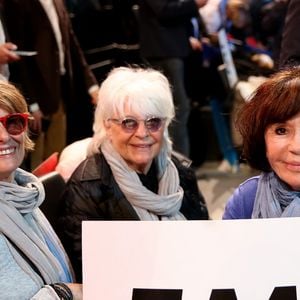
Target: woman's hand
[(49, 292), (76, 289)]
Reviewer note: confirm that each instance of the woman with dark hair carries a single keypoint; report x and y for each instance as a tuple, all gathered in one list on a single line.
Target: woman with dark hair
[(270, 127)]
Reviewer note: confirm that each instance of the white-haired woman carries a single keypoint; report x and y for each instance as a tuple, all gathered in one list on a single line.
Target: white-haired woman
[(130, 172)]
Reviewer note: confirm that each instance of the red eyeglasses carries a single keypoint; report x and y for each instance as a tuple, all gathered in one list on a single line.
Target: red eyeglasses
[(15, 123)]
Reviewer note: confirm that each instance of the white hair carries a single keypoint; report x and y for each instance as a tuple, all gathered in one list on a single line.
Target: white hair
[(145, 92)]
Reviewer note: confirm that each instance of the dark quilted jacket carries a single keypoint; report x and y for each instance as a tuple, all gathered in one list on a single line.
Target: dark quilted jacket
[(93, 194)]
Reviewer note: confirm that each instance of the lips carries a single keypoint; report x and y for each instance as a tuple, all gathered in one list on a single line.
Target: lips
[(142, 146), (295, 166)]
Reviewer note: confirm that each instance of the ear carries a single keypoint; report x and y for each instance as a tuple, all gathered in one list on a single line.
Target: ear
[(108, 128)]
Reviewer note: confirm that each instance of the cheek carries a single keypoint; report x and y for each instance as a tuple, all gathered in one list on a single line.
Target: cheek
[(21, 142), (269, 143), (108, 133), (118, 138), (159, 137), (269, 149), (112, 134), (275, 151)]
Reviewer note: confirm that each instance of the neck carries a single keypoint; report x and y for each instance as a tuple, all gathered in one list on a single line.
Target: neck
[(7, 178)]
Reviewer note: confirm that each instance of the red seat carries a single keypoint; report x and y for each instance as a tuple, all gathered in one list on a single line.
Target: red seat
[(47, 166)]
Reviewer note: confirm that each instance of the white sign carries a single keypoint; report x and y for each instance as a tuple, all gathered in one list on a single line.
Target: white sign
[(251, 257)]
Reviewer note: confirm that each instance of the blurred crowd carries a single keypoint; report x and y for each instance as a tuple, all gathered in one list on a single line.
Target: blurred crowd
[(97, 36), (111, 95)]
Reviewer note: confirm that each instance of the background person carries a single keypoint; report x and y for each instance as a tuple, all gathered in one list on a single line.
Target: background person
[(270, 128), (32, 258), (290, 43), (6, 53), (130, 173), (56, 82), (164, 27), (6, 56)]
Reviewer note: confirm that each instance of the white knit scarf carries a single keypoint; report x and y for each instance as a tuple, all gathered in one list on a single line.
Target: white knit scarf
[(147, 204), (25, 228)]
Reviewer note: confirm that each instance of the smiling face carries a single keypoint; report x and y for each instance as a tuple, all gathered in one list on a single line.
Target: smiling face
[(138, 147), (12, 151), (283, 150)]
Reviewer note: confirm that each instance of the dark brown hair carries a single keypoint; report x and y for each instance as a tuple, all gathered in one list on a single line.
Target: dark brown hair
[(276, 100)]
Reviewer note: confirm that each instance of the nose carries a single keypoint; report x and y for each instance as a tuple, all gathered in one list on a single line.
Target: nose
[(4, 136), (142, 130)]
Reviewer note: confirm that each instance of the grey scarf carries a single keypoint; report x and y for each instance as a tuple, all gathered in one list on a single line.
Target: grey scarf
[(274, 199), (25, 228), (147, 204)]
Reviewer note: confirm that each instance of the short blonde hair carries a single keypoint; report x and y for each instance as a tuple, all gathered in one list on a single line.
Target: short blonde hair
[(13, 101)]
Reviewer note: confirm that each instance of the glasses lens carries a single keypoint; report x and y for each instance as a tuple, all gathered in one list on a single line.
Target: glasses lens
[(129, 124), (15, 124), (153, 124)]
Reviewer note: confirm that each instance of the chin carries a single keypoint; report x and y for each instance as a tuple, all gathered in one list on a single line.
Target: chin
[(8, 167), (295, 187), (141, 166), (142, 159)]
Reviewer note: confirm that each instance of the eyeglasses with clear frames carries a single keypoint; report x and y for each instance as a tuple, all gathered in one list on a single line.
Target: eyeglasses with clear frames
[(15, 123), (131, 124)]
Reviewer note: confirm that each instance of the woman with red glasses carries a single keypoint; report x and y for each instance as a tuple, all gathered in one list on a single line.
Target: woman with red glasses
[(33, 264), (130, 172)]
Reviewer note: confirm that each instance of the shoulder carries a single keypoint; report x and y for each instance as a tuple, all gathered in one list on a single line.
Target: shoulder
[(180, 159), (88, 183), (182, 163), (240, 204), (193, 205), (92, 168), (71, 157)]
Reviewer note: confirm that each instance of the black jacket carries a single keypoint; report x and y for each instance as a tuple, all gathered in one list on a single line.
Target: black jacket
[(290, 44), (93, 194), (38, 76), (164, 27)]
